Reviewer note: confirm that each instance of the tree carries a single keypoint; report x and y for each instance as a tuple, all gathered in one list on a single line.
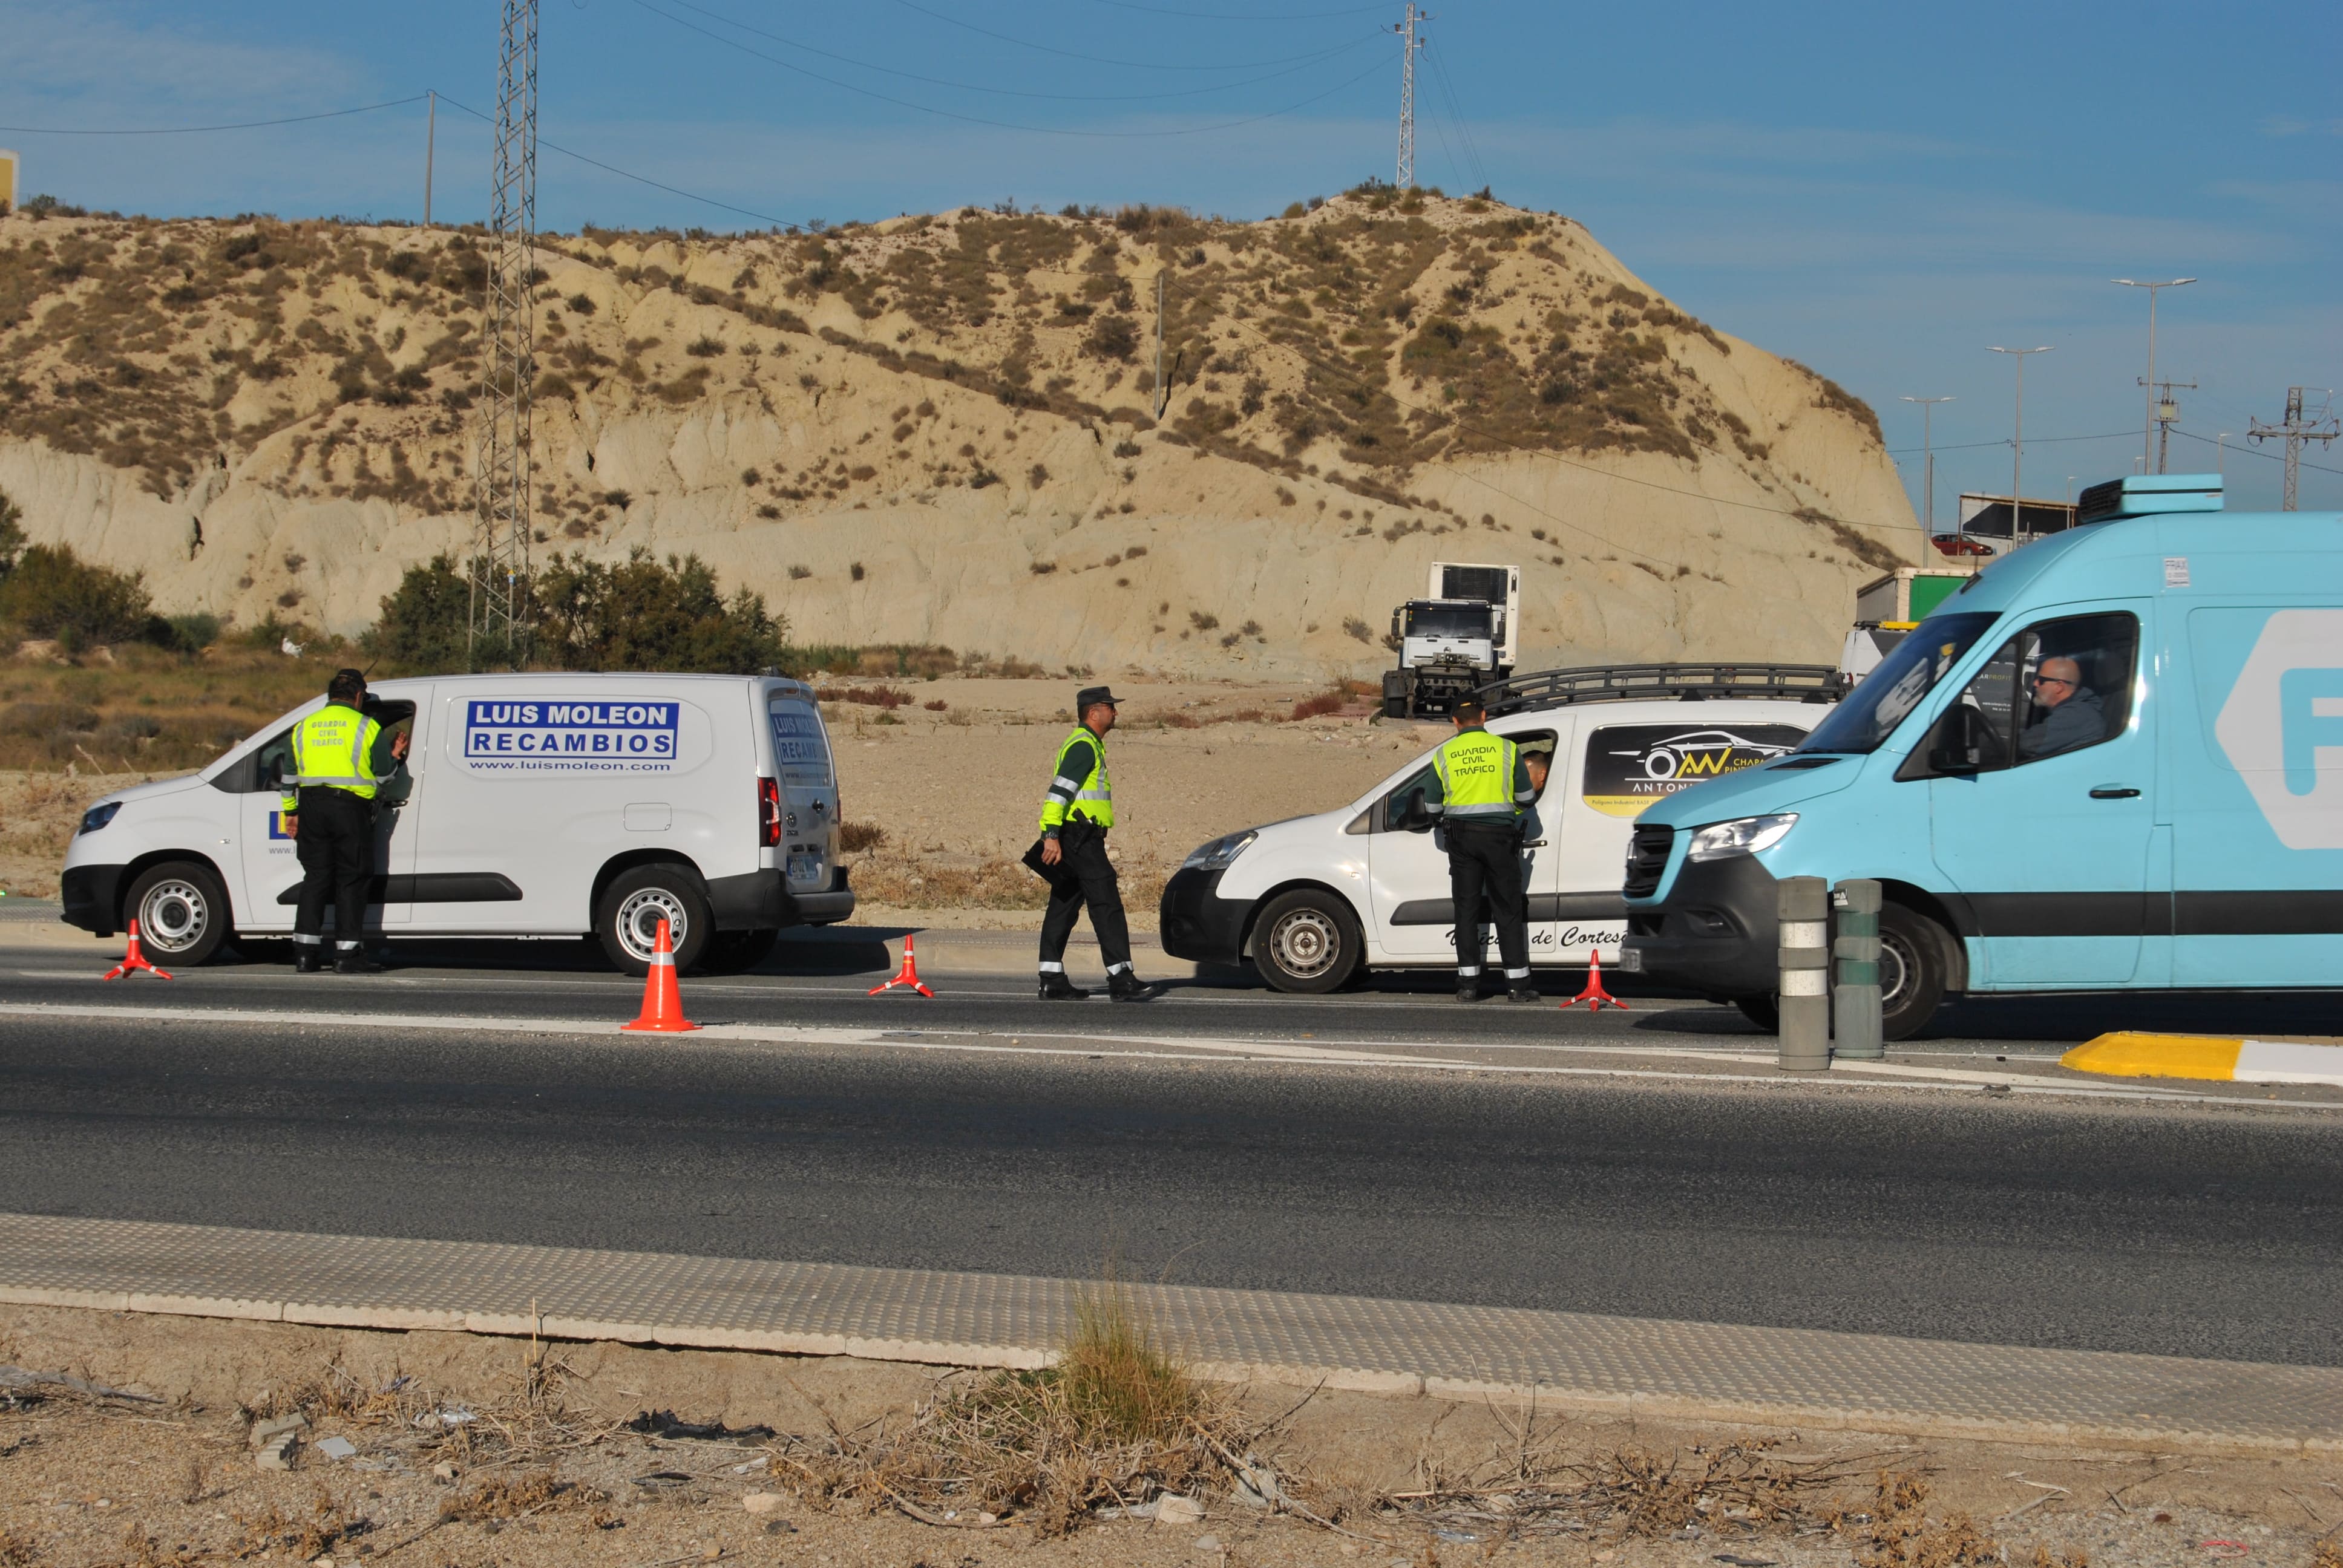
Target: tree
[(52, 592), (642, 615), (424, 620), (12, 533)]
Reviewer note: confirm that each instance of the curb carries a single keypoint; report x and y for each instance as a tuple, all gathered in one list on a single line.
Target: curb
[(1572, 1361), (2219, 1058)]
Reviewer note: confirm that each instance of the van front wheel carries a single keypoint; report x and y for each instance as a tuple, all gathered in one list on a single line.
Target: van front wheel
[(182, 912), (1307, 943), (634, 904), (1914, 969)]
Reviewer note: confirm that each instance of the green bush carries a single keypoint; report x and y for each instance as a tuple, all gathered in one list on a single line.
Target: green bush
[(50, 592), (422, 625), (643, 615), (191, 633), (12, 534)]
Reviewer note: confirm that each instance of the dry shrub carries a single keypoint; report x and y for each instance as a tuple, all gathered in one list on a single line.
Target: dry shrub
[(1318, 706), (272, 1529), (1898, 1533), (2326, 1554), (856, 837), (14, 1552), (140, 1550), (886, 697), (1115, 1423), (513, 1496), (993, 882)]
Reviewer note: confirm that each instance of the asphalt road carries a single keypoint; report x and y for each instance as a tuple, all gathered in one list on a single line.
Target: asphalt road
[(2167, 1228)]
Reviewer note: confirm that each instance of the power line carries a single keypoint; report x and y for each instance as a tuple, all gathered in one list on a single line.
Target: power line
[(629, 174), (1456, 112), (1307, 61), (1094, 59), (2251, 452), (1241, 15), (999, 125), (200, 130)]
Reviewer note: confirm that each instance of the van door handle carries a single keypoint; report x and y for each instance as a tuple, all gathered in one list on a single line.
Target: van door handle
[(2115, 792)]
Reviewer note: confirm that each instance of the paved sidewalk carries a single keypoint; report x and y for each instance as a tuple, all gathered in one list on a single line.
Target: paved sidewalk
[(1678, 1370)]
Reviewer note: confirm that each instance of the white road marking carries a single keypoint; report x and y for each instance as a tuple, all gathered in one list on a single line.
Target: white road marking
[(1163, 1048)]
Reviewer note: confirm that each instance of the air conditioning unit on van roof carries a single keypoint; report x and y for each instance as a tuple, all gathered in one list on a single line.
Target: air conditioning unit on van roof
[(2145, 495)]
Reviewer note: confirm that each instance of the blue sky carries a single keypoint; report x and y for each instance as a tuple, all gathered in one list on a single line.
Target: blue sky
[(1882, 191)]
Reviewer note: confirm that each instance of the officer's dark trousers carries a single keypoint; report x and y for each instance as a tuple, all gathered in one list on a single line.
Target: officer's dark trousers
[(1086, 877), (1486, 860), (336, 848)]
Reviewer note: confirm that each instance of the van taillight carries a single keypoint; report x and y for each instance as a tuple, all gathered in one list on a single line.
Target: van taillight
[(769, 812)]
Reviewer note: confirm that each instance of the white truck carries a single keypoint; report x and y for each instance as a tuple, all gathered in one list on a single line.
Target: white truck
[(533, 805), (1464, 633)]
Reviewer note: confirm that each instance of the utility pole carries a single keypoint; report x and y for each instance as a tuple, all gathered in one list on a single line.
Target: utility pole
[(1927, 446), (1410, 44), (1162, 397), (499, 565), (2147, 432), (2017, 443), (430, 145), (2168, 414), (2298, 432), (2221, 453)]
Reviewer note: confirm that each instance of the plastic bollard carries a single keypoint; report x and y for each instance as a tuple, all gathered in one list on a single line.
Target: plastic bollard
[(1802, 905), (1854, 999)]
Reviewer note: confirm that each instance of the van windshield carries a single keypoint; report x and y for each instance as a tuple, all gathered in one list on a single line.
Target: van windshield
[(1869, 714)]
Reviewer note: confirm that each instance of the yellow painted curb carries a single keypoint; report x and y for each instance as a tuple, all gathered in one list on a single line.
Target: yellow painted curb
[(2128, 1053)]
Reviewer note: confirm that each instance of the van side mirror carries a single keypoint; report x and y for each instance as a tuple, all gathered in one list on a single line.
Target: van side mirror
[(1959, 741), (1413, 817)]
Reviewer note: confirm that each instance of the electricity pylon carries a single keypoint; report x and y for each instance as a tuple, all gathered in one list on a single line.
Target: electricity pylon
[(500, 533)]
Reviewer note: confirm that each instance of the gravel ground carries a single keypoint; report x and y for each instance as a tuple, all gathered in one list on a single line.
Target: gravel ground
[(85, 1482)]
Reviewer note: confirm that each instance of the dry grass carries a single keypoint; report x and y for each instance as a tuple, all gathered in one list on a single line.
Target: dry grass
[(1115, 1423)]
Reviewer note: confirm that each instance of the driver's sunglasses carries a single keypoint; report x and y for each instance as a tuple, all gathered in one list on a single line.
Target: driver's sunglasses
[(2052, 680)]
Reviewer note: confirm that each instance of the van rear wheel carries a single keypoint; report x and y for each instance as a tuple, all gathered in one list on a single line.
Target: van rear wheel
[(182, 912), (1307, 943), (634, 902)]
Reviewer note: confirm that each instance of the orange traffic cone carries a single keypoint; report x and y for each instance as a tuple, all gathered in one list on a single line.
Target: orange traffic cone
[(134, 961), (1596, 998), (909, 975), (662, 1001)]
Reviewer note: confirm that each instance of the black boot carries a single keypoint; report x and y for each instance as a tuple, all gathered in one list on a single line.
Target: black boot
[(1521, 990), (1056, 987), (354, 961), (1468, 990), (309, 959), (1123, 985)]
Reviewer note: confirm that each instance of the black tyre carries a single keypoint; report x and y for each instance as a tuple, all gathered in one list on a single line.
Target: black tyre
[(1761, 1010), (1916, 967), (1307, 942), (634, 903), (738, 953), (182, 912)]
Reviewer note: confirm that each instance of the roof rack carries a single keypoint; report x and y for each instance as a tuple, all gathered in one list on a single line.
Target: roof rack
[(1684, 682)]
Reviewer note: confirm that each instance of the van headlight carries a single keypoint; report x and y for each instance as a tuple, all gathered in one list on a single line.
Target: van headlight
[(1218, 855), (99, 814), (1742, 836)]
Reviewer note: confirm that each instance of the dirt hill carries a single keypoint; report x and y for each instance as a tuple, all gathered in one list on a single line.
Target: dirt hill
[(939, 429)]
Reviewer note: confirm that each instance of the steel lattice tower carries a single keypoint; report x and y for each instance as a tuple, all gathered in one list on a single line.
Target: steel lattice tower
[(1409, 46), (2298, 432), (500, 536)]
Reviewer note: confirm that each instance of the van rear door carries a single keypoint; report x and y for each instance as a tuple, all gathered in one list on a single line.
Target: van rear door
[(808, 786)]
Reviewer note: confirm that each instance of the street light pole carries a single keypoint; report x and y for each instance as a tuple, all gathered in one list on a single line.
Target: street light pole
[(2017, 443), (1927, 446), (2147, 438)]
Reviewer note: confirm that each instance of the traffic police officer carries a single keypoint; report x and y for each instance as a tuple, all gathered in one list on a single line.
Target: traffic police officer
[(340, 757), (1076, 812), (1482, 785)]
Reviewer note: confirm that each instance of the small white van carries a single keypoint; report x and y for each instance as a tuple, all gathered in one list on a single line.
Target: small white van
[(534, 804), (1315, 900)]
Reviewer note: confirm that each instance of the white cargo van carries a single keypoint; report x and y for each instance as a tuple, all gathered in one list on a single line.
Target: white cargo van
[(1314, 900), (534, 806)]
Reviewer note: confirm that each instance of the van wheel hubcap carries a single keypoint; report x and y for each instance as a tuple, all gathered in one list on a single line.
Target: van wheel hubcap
[(638, 919), (1304, 942), (172, 916), (1896, 962)]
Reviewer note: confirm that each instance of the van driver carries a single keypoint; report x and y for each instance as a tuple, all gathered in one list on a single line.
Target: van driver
[(2067, 715)]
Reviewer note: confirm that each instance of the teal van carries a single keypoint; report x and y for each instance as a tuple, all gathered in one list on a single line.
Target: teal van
[(2112, 761)]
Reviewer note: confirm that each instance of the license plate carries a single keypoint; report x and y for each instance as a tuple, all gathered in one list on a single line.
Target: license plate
[(1631, 961), (804, 868)]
